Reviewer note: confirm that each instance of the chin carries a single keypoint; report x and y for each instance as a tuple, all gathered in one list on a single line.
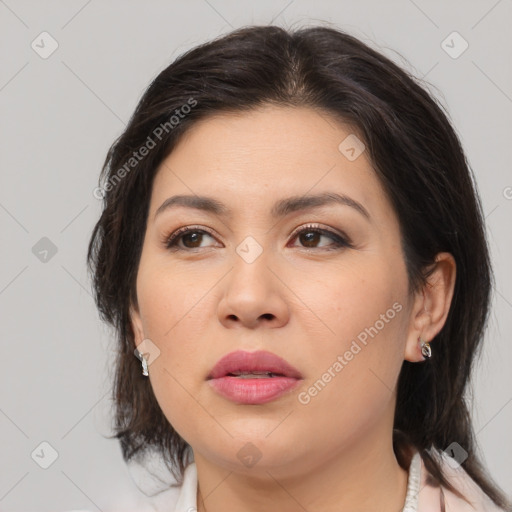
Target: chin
[(256, 453)]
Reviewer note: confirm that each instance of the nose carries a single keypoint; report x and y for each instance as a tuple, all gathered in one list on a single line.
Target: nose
[(253, 296)]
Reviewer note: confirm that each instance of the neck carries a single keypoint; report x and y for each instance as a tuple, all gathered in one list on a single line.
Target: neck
[(364, 476)]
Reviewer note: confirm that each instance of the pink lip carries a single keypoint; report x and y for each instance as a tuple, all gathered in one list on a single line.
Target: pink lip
[(256, 390)]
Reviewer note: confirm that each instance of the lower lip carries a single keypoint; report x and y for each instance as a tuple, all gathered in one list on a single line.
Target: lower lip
[(253, 391)]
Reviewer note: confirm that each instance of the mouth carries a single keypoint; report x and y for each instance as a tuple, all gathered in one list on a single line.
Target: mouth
[(253, 378), (259, 364), (254, 375)]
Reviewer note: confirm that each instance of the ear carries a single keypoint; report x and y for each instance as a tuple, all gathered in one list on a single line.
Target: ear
[(136, 323), (431, 305)]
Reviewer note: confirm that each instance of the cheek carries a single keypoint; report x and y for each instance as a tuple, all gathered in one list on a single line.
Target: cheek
[(170, 298), (352, 376), (363, 314), (174, 319), (348, 297)]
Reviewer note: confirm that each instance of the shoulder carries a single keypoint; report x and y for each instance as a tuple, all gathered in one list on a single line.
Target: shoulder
[(432, 497)]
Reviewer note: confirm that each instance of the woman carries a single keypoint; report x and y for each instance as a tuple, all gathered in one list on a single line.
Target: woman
[(293, 248)]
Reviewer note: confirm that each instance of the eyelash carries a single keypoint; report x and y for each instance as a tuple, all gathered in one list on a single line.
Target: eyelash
[(171, 241)]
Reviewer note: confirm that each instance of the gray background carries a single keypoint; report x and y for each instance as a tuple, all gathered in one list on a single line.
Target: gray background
[(59, 116)]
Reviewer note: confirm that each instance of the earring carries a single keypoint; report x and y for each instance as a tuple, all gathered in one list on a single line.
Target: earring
[(426, 351), (144, 364)]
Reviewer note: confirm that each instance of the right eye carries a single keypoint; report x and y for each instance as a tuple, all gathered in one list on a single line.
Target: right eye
[(191, 238)]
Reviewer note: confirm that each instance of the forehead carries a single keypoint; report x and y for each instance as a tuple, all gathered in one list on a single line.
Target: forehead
[(257, 156)]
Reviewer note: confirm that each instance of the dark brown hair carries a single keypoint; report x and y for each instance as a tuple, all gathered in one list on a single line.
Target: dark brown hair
[(418, 159)]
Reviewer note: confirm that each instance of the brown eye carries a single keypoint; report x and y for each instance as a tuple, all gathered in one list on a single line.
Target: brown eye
[(191, 238), (310, 236)]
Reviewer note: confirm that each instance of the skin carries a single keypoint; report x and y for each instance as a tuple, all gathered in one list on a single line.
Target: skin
[(298, 299)]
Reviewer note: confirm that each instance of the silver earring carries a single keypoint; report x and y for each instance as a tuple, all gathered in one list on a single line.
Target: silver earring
[(426, 350), (144, 364)]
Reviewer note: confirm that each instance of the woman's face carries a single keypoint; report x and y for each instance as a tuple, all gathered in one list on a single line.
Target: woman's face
[(261, 276)]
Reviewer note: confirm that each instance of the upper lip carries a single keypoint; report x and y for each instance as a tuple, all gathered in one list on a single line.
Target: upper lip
[(259, 361)]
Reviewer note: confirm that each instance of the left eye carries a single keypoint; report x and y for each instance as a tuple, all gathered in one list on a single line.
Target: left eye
[(312, 235), (191, 238)]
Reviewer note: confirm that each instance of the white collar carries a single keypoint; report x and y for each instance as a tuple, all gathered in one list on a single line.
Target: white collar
[(187, 499), (413, 484)]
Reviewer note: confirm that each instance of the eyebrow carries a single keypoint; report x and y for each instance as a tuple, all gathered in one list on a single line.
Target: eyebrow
[(280, 209)]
